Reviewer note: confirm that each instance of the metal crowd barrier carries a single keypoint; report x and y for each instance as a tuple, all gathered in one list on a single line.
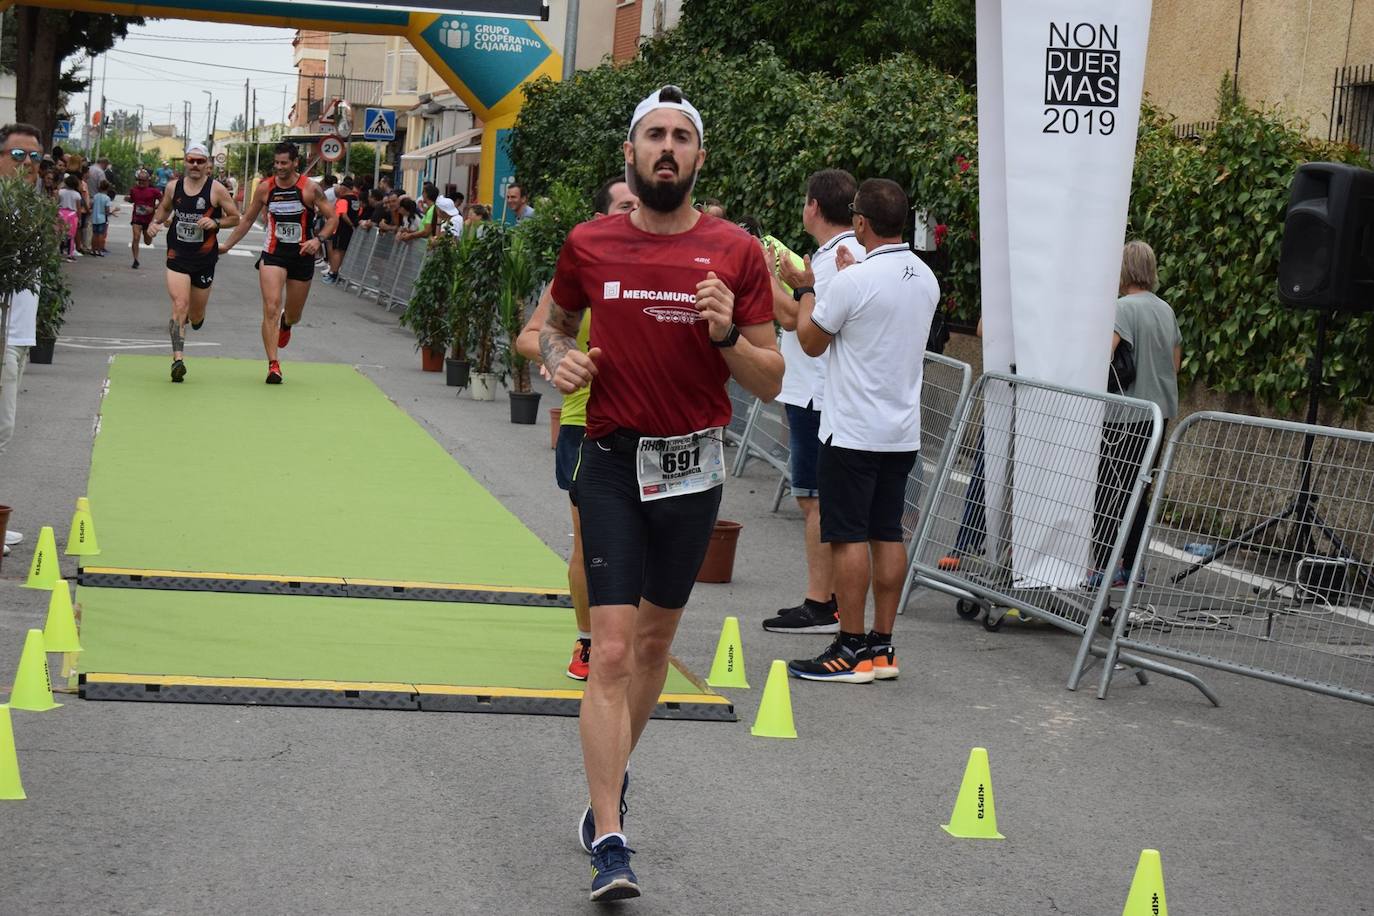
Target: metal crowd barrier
[(945, 385), (359, 250), (407, 272), (1256, 556), (1063, 468)]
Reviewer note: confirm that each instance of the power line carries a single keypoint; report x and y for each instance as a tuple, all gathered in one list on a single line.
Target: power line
[(178, 60)]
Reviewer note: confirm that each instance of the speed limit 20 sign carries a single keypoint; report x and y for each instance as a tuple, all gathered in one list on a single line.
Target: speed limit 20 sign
[(332, 148)]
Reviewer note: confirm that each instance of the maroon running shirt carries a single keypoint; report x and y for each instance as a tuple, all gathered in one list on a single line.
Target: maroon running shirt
[(145, 201), (658, 373)]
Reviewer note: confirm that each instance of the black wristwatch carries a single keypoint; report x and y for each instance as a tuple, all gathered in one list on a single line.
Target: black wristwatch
[(802, 291), (731, 338)]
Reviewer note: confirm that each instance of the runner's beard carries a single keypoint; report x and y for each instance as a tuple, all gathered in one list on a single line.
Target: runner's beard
[(659, 196)]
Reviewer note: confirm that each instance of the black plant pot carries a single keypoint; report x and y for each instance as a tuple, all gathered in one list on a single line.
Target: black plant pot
[(524, 407), (456, 372), (41, 352)]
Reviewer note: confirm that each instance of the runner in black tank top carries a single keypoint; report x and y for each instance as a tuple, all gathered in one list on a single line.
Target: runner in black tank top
[(346, 206), (193, 210), (288, 256)]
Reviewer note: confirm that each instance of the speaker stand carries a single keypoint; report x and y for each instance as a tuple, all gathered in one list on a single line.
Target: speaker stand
[(1302, 509)]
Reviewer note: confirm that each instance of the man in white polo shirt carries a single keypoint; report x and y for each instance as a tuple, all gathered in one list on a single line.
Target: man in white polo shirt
[(825, 216), (874, 321)]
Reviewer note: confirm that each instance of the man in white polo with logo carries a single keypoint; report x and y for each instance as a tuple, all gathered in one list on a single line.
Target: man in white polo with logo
[(825, 217), (874, 321), (681, 302)]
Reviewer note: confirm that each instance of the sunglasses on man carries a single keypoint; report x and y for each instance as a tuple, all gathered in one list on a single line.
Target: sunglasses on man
[(19, 155), (196, 161)]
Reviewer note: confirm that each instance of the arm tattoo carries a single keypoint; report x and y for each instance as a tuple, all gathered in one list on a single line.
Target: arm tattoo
[(559, 335)]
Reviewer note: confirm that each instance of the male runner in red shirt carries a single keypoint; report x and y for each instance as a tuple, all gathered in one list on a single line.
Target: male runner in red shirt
[(681, 301), (288, 256)]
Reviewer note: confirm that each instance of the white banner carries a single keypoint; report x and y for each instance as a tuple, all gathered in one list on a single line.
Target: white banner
[(1072, 72), (995, 273)]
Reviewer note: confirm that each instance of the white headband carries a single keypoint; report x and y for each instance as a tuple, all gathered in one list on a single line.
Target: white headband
[(655, 101)]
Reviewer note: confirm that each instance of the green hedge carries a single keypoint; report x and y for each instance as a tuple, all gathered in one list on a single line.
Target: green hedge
[(1213, 210)]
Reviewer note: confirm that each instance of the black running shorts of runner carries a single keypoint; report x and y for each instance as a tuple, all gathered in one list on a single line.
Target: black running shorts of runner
[(633, 549), (200, 270), (302, 269)]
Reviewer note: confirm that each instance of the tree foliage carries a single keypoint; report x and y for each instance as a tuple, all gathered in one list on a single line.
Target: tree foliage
[(768, 127), (1213, 210), (841, 35)]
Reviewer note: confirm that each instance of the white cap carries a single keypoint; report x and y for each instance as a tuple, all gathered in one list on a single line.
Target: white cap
[(198, 148), (668, 97), (447, 206)]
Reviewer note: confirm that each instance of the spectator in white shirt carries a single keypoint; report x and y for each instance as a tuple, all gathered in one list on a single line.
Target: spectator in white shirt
[(874, 322), (21, 151), (825, 216)]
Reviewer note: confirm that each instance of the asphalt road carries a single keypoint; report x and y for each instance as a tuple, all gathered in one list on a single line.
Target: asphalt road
[(1261, 806)]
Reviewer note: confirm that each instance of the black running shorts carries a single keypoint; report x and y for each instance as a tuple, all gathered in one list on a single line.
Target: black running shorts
[(200, 270), (302, 268), (862, 494), (634, 549)]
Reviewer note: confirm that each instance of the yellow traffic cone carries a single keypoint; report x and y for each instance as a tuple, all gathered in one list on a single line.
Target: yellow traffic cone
[(81, 540), (32, 689), (974, 816), (43, 572), (59, 631), (11, 789), (1147, 887), (775, 711), (728, 668)]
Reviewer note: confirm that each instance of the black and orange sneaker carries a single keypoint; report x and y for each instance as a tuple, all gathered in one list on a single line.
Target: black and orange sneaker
[(837, 663), (178, 370), (949, 562), (581, 662), (283, 335), (273, 372), (884, 659)]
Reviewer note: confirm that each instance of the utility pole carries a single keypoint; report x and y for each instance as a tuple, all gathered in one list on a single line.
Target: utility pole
[(209, 104), (90, 98), (570, 40), (246, 116), (214, 125)]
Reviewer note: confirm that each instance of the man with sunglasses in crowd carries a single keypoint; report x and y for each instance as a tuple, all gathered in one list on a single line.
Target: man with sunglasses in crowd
[(194, 209), (21, 151)]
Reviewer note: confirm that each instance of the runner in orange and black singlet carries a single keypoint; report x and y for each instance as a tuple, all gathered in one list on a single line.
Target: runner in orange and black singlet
[(193, 210), (287, 263)]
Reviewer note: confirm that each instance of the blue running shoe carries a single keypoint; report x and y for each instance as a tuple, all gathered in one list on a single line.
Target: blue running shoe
[(612, 877), (586, 829)]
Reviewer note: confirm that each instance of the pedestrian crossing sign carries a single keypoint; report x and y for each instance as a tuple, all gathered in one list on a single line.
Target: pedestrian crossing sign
[(379, 124)]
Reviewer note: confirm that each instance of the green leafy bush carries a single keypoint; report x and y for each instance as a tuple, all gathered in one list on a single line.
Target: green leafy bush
[(428, 313), (1213, 210)]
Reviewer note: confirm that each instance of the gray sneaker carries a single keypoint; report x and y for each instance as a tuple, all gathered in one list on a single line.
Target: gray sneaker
[(12, 538)]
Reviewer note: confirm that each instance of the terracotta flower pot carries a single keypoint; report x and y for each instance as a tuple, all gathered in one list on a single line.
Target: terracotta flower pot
[(431, 360), (719, 565), (555, 423)]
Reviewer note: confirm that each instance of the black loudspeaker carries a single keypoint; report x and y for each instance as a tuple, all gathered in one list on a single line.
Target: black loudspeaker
[(1327, 258)]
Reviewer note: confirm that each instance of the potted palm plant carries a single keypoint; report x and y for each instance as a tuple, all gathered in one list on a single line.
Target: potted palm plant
[(427, 312), (517, 286), (457, 367)]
